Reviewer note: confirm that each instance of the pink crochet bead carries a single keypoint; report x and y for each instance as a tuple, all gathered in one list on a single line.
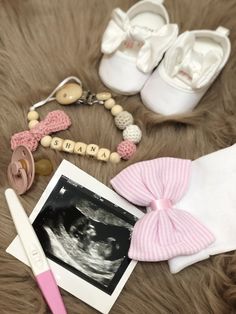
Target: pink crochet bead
[(126, 149)]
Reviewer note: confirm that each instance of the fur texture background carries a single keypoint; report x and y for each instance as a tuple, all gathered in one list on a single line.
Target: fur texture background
[(41, 43)]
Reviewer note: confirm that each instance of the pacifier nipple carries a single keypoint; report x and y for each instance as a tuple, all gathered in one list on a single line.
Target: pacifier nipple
[(43, 167)]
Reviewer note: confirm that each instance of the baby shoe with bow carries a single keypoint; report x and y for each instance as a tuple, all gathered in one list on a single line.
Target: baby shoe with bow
[(188, 69), (133, 44)]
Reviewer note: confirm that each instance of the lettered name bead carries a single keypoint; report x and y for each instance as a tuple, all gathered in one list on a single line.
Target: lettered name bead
[(33, 115), (80, 148), (116, 110), (32, 124), (92, 150), (114, 158), (69, 93), (103, 96), (68, 146), (46, 141), (56, 143), (110, 103), (103, 154)]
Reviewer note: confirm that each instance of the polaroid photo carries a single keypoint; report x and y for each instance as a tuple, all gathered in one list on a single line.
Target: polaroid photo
[(84, 228)]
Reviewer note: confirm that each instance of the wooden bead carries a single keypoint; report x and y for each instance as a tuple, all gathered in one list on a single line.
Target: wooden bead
[(68, 146), (92, 150), (32, 115), (103, 96), (69, 93), (46, 141), (32, 124), (80, 148), (114, 158), (103, 154), (56, 143), (108, 104), (116, 110)]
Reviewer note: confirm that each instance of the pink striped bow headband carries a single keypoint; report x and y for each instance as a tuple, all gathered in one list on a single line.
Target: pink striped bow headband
[(55, 121), (164, 231)]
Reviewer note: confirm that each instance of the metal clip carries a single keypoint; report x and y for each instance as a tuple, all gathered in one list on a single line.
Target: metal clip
[(88, 98)]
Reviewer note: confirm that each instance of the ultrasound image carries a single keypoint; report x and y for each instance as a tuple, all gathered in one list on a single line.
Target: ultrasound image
[(86, 234)]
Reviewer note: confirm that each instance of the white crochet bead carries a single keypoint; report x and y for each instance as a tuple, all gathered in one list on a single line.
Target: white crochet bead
[(132, 133), (123, 119)]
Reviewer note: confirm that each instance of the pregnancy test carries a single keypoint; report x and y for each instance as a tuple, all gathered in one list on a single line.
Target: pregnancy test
[(35, 254)]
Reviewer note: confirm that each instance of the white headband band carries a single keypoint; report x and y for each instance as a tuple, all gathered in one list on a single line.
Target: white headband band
[(211, 197)]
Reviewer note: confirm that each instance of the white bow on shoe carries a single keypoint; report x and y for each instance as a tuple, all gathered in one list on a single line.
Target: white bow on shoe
[(133, 44), (154, 42), (191, 66), (186, 72)]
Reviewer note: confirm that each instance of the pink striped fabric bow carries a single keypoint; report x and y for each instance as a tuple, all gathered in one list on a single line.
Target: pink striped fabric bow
[(164, 232), (55, 121)]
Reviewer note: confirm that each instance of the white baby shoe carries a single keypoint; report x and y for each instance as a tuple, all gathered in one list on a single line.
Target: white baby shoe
[(188, 69), (133, 44)]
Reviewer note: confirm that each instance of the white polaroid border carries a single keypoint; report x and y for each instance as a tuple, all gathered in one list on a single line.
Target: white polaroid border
[(65, 278)]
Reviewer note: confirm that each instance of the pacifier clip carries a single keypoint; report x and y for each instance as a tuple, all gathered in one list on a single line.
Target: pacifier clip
[(66, 93)]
